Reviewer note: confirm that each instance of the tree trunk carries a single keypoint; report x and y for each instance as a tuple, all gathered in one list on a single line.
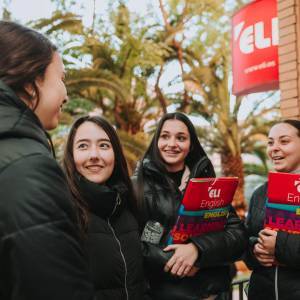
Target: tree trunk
[(159, 93), (233, 166)]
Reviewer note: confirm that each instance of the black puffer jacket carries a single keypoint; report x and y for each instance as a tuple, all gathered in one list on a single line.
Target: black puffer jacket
[(40, 253), (216, 250), (113, 243), (282, 282)]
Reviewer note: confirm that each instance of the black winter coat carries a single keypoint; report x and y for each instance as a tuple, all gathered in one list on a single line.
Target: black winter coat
[(216, 250), (113, 243), (40, 253), (287, 252)]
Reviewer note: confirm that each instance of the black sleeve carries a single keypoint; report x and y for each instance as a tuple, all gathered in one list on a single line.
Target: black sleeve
[(287, 249), (41, 254), (253, 224), (154, 256), (223, 247)]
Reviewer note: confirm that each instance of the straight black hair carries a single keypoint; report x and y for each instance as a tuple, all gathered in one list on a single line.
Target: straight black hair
[(196, 150), (152, 153)]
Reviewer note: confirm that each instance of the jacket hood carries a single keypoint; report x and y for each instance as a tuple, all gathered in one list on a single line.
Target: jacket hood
[(17, 120)]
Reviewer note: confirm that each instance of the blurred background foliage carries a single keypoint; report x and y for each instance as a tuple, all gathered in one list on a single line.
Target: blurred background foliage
[(117, 67)]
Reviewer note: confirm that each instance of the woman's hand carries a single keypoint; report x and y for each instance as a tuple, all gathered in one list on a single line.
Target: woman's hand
[(267, 239), (193, 271), (263, 256), (183, 259), (264, 250)]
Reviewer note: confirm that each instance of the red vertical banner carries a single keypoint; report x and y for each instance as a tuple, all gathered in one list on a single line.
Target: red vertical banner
[(255, 48)]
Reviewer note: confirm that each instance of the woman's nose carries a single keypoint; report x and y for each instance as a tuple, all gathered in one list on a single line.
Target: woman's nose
[(65, 100), (94, 154), (275, 147), (172, 142)]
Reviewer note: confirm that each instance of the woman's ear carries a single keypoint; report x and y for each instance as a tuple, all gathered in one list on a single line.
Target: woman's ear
[(31, 103)]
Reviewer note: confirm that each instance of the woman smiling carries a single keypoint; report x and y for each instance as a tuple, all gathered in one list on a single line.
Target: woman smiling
[(98, 177), (274, 256), (198, 269)]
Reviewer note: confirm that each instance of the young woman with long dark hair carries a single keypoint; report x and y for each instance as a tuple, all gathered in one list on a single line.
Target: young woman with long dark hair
[(97, 174), (198, 269), (274, 256), (41, 256)]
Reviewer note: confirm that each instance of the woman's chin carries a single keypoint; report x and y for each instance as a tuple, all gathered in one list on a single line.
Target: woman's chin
[(282, 169)]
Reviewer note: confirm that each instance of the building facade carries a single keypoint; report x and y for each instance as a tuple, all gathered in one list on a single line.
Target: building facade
[(289, 57)]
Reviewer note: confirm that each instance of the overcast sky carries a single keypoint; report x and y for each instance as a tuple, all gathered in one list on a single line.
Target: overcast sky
[(26, 10)]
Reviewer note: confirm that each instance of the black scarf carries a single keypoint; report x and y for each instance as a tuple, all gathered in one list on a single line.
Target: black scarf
[(103, 200)]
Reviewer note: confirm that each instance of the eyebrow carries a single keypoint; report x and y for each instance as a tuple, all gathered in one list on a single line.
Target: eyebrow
[(282, 136), (88, 140), (181, 132)]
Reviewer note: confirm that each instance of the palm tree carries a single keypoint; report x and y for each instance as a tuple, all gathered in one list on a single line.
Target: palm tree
[(208, 83), (120, 62), (205, 65), (134, 147)]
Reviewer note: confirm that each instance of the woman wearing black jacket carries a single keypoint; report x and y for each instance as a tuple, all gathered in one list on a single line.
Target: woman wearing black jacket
[(98, 177), (274, 256), (41, 256), (198, 269)]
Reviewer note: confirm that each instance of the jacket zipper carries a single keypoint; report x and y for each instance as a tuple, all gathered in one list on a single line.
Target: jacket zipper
[(119, 244), (276, 283)]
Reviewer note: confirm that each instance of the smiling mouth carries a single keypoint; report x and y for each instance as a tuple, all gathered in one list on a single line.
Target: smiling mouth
[(171, 152), (94, 168), (277, 158)]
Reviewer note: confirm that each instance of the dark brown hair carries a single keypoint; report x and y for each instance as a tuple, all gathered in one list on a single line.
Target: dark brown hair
[(153, 154), (196, 150), (294, 123), (25, 56), (120, 173)]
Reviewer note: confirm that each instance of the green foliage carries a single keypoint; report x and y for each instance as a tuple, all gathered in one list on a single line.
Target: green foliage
[(59, 21), (6, 14), (117, 65), (59, 138), (79, 106), (134, 147), (256, 169)]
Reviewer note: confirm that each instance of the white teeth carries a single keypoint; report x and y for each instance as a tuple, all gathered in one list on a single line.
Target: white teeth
[(94, 168), (277, 157)]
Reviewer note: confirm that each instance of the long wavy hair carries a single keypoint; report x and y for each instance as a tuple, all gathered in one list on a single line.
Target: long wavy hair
[(119, 175)]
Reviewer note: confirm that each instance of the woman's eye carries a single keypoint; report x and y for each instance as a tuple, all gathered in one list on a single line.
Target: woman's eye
[(82, 146), (181, 138), (164, 136), (104, 145), (284, 142), (270, 143)]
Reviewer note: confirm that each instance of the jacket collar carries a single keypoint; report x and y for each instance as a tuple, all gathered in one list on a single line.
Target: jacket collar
[(203, 164), (17, 119), (102, 200)]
